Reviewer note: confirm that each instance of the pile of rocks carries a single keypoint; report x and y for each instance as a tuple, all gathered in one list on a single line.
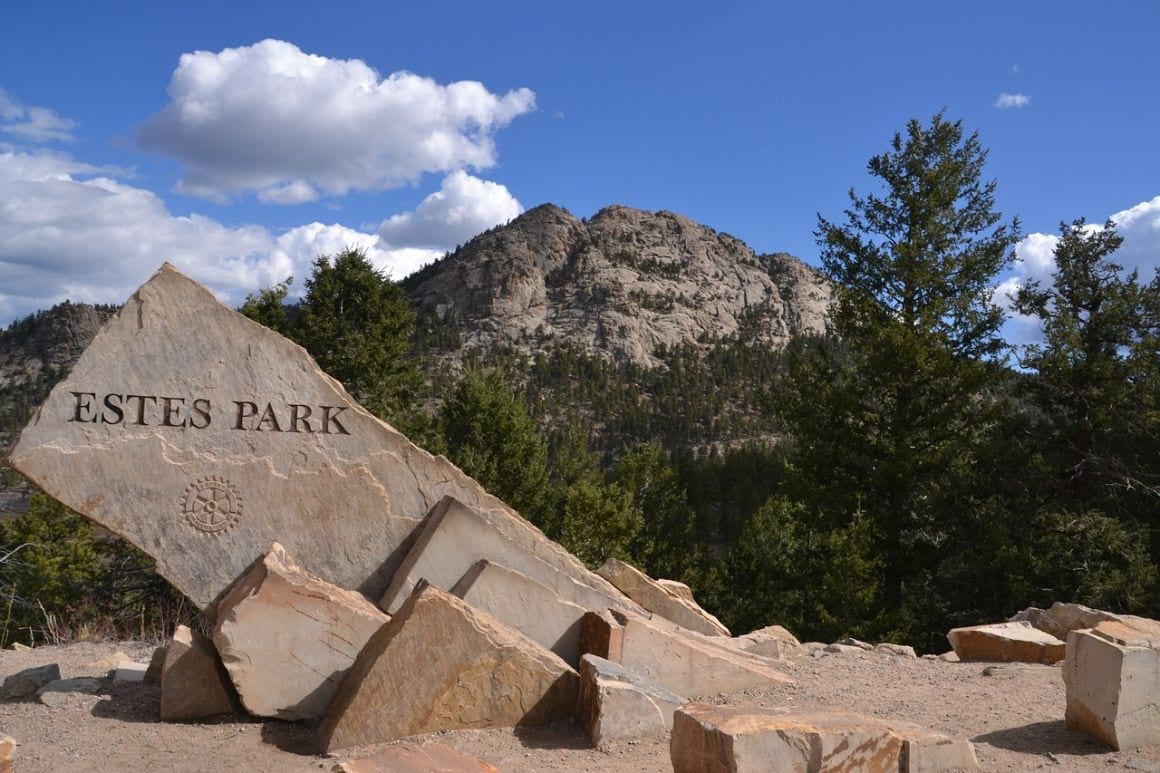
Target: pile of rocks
[(352, 580)]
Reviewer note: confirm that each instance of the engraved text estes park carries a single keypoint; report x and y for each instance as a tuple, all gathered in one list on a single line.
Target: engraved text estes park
[(200, 413)]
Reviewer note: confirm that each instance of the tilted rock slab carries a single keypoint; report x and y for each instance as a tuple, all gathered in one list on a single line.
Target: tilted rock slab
[(678, 589), (287, 638), (727, 739), (439, 664), (410, 757), (203, 437), (1063, 618), (529, 607), (618, 704), (683, 662), (1112, 676), (194, 683), (1007, 643), (455, 535), (645, 591)]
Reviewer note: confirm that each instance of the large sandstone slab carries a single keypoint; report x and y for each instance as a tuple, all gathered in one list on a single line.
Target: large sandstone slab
[(619, 705), (455, 535), (1063, 618), (287, 637), (727, 739), (681, 661), (530, 607), (193, 682), (1112, 678), (203, 437), (657, 599), (1016, 642), (410, 757), (439, 664)]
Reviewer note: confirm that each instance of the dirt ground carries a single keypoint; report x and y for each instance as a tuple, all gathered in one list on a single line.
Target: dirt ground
[(1016, 722)]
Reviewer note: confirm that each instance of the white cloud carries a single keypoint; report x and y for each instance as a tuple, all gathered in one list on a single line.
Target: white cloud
[(288, 125), (34, 124), (461, 208), (1035, 260), (77, 231), (1007, 101)]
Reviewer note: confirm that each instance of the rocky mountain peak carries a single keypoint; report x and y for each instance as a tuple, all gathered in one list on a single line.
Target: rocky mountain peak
[(621, 284)]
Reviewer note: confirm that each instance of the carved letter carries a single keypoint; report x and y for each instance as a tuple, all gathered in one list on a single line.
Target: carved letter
[(140, 407), (328, 418), (246, 409), (168, 412), (268, 416), (300, 413), (116, 409), (201, 408), (82, 405)]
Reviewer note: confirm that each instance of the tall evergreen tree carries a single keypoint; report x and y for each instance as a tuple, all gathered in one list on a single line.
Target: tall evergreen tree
[(358, 325), (889, 416)]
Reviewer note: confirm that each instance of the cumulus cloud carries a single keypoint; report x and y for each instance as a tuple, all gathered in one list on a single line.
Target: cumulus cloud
[(461, 208), (73, 230), (1008, 101), (1035, 260), (291, 126), (33, 124)]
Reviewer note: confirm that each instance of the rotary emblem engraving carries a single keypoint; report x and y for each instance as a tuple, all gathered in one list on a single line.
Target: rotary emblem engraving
[(211, 505)]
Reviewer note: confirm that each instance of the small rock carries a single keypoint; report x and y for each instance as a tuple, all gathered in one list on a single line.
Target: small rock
[(949, 657), (811, 646), (26, 682), (818, 654), (7, 752), (618, 705), (18, 647), (838, 648), (899, 650), (130, 671), (851, 642), (68, 690), (1009, 671), (105, 666)]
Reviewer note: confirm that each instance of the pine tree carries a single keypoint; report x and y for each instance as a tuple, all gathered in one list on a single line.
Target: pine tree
[(268, 307), (889, 415), (667, 544)]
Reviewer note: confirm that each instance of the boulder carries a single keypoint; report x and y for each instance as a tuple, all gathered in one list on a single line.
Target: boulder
[(529, 607), (439, 664), (852, 642), (898, 650), (726, 739), (844, 649), (25, 683), (412, 757), (1063, 618), (7, 752), (645, 591), (948, 657), (773, 641), (1007, 643), (194, 684), (130, 671), (678, 589), (202, 437), (287, 637), (617, 704), (1112, 679), (156, 664), (681, 661), (454, 536), (602, 635), (81, 689)]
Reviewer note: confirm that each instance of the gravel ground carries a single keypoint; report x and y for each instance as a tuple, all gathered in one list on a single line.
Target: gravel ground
[(1016, 721)]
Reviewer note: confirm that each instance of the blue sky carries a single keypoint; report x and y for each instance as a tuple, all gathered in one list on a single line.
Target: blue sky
[(241, 162)]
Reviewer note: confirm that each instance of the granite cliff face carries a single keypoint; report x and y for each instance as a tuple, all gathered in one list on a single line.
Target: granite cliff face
[(620, 284)]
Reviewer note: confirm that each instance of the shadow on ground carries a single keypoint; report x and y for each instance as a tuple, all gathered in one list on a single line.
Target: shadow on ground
[(1043, 738)]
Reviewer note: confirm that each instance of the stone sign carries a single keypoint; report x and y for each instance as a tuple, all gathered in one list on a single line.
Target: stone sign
[(203, 437)]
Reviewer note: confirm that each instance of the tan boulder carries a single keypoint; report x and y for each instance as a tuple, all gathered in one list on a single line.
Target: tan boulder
[(1112, 678), (645, 591), (681, 661), (618, 705), (130, 671), (601, 634), (156, 665), (726, 739), (529, 607), (454, 536), (1015, 642), (202, 437), (411, 757), (898, 650), (773, 641), (1063, 618), (7, 752), (678, 589), (439, 664), (194, 684), (287, 637)]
